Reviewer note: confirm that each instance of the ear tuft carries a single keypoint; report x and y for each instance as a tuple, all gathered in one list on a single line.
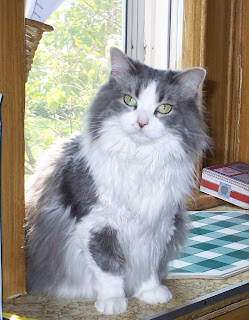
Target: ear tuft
[(120, 64), (191, 80)]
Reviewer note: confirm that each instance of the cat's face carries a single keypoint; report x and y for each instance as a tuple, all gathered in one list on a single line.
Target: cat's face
[(147, 105), (142, 121)]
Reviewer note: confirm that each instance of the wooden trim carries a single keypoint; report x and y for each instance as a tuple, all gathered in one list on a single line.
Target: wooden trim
[(232, 308), (237, 310), (193, 55), (222, 303), (211, 39), (244, 111), (12, 87), (194, 33), (222, 61)]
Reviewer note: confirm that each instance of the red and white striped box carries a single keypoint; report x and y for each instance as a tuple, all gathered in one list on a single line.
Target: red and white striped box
[(229, 182)]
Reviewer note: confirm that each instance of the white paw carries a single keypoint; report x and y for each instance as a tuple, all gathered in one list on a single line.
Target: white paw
[(159, 294), (112, 305)]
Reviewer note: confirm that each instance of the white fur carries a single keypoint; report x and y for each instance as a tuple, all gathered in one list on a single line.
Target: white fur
[(141, 176), (152, 292)]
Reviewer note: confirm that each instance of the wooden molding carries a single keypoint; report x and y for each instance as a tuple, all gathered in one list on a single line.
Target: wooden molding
[(233, 308), (222, 61), (229, 303), (12, 87), (211, 39), (212, 34), (243, 137), (194, 34)]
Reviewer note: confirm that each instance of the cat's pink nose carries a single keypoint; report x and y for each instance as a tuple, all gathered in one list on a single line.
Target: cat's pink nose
[(142, 123)]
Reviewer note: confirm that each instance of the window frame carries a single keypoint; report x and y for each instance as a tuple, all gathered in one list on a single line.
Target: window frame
[(12, 87), (145, 24)]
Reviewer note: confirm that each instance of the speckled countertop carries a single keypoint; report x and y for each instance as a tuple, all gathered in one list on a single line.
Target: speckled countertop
[(183, 290)]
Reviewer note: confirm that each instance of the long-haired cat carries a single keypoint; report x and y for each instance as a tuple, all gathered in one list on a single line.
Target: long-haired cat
[(105, 208)]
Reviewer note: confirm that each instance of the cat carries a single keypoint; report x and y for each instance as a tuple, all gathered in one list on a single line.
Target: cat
[(105, 208)]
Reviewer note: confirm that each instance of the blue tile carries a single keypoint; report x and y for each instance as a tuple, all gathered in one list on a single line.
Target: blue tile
[(232, 238), (219, 242), (244, 241), (212, 264), (238, 221), (215, 234), (212, 227), (239, 254), (208, 221), (178, 270), (224, 224), (192, 250), (199, 231), (244, 234), (191, 243), (233, 213), (226, 268), (193, 259), (222, 250), (227, 259), (205, 246), (205, 214), (195, 218), (241, 227), (195, 268), (244, 216)]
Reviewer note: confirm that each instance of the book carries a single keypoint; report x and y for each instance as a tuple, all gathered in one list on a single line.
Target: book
[(229, 182)]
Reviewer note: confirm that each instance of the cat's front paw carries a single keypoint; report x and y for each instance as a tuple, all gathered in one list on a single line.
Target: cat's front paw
[(114, 305), (159, 294)]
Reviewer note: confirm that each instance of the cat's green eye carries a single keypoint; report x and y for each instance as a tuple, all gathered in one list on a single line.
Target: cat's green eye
[(164, 108), (130, 101)]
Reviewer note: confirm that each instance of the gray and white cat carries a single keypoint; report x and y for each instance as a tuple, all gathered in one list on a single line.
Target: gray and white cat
[(105, 208)]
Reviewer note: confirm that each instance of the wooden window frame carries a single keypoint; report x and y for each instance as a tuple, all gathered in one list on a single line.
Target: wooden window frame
[(12, 87), (217, 40)]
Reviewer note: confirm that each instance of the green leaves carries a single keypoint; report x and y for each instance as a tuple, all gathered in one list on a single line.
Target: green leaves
[(70, 65)]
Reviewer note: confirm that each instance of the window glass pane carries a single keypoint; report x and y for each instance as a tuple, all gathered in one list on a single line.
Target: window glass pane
[(69, 66)]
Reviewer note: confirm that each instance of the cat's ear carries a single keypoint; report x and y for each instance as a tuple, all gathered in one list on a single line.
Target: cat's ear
[(120, 64), (191, 80)]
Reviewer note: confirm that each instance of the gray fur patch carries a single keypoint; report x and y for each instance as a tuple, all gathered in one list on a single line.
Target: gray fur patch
[(77, 187), (106, 251)]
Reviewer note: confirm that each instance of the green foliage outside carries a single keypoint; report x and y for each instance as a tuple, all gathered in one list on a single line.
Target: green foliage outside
[(71, 63)]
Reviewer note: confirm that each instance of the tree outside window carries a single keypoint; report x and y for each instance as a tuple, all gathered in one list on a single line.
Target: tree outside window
[(71, 63)]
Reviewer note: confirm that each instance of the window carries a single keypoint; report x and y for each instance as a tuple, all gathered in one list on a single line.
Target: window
[(70, 65), (154, 32)]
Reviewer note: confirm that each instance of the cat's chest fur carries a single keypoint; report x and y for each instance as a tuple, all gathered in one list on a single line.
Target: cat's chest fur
[(138, 182), (132, 186)]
